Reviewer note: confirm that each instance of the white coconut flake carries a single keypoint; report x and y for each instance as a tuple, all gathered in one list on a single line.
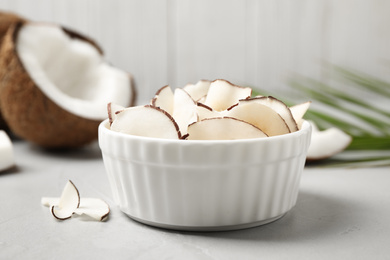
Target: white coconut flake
[(298, 111), (184, 110), (327, 143), (68, 202), (94, 208), (199, 90), (164, 99), (222, 94), (6, 152), (49, 201)]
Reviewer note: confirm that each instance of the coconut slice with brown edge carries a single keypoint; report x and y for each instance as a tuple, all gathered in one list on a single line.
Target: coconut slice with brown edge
[(326, 143), (112, 110), (71, 203), (184, 110), (55, 85), (204, 112), (222, 94), (279, 107), (298, 111), (199, 90), (262, 116), (223, 128), (148, 121), (164, 99), (68, 202)]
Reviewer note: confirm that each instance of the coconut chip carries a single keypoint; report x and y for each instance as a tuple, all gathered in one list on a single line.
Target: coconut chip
[(70, 203), (6, 152)]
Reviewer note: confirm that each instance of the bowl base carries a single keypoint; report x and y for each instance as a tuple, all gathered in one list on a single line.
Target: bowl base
[(207, 228)]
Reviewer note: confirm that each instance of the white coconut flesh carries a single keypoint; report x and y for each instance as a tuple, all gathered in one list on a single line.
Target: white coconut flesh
[(223, 94), (199, 90), (49, 201), (68, 202), (6, 152), (298, 111), (184, 110), (95, 208), (223, 128), (71, 72), (204, 112), (112, 110), (279, 107), (327, 143), (164, 99), (148, 121), (261, 116)]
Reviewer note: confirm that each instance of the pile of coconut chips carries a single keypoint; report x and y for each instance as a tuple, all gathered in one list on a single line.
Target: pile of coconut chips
[(217, 110), (220, 110)]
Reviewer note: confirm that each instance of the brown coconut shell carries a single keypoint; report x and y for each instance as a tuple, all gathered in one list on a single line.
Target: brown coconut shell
[(30, 114), (6, 21)]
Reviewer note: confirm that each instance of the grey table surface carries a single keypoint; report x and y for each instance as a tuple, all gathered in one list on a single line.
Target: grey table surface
[(340, 214)]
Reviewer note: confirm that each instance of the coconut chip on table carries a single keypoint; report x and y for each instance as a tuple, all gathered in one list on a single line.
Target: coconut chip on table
[(71, 203), (6, 152)]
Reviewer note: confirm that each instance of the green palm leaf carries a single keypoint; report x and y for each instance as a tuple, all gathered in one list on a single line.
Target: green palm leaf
[(368, 123)]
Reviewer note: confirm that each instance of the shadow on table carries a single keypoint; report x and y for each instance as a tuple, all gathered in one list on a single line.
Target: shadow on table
[(88, 152), (14, 169), (313, 216)]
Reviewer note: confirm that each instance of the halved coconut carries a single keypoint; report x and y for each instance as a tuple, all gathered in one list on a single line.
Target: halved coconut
[(326, 143), (164, 99), (222, 94), (68, 202), (6, 152), (262, 116), (298, 111), (184, 110), (223, 128), (279, 107), (199, 90), (55, 85), (148, 121)]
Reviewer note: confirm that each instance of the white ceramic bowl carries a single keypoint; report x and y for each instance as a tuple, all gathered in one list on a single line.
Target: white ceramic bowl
[(204, 185)]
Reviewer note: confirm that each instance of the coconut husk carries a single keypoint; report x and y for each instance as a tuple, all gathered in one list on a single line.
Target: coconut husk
[(30, 114), (6, 21)]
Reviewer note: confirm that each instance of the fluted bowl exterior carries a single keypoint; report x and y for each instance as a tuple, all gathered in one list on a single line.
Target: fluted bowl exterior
[(204, 185)]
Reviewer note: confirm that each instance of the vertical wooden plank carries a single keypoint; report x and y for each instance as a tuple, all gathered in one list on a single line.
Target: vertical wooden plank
[(135, 34), (290, 40), (251, 68), (210, 41), (360, 36)]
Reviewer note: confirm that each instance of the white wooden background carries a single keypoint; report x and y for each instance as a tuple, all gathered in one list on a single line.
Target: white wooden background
[(257, 43)]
